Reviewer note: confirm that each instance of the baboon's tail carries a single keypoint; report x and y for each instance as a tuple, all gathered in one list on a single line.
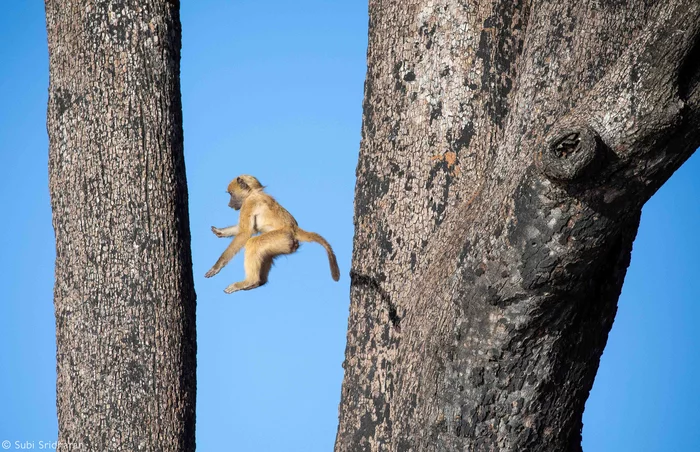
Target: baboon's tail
[(305, 236)]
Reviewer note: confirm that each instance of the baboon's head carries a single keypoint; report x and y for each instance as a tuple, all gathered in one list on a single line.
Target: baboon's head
[(240, 188)]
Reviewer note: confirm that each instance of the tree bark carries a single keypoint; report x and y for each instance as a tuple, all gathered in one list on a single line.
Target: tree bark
[(124, 294), (507, 150)]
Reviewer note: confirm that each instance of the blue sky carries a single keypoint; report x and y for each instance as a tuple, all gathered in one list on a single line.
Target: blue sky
[(274, 89)]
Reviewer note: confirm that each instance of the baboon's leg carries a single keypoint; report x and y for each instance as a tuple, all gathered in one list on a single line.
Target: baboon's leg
[(259, 253)]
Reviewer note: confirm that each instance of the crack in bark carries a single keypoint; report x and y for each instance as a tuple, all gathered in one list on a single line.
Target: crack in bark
[(357, 279)]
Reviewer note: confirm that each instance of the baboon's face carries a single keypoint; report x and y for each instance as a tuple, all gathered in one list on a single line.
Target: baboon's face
[(236, 200), (240, 188)]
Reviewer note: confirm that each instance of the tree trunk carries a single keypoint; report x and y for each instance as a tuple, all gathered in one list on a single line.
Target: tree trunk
[(124, 293), (507, 150)]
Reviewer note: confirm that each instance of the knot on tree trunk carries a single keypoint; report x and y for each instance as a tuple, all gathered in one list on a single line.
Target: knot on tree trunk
[(570, 153)]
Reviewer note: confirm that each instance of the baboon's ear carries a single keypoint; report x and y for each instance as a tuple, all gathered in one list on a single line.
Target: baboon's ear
[(241, 183)]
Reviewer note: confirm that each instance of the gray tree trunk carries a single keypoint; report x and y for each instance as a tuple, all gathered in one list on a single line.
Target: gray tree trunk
[(507, 150), (124, 293)]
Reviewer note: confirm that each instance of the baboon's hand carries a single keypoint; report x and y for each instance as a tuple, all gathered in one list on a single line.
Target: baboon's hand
[(212, 271)]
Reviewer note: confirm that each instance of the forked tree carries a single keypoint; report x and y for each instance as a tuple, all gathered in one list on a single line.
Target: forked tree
[(124, 294), (507, 150)]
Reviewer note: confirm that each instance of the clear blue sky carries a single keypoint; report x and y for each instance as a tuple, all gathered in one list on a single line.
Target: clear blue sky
[(274, 89)]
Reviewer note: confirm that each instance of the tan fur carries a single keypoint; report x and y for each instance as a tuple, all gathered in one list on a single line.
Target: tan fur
[(279, 234)]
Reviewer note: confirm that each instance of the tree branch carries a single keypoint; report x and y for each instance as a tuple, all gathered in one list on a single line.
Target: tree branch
[(643, 100)]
